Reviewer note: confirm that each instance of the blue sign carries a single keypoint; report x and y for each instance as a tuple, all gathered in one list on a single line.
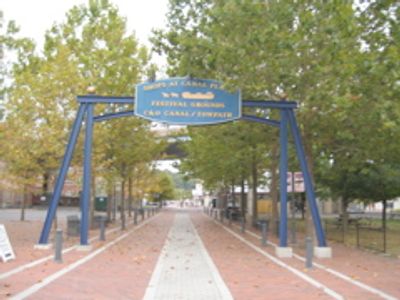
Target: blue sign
[(185, 101)]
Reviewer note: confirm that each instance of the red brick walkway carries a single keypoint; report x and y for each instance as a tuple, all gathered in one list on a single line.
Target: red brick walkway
[(376, 270), (123, 270), (246, 270)]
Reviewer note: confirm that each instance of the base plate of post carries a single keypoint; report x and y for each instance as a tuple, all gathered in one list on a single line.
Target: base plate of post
[(283, 252), (323, 252), (84, 247), (42, 246)]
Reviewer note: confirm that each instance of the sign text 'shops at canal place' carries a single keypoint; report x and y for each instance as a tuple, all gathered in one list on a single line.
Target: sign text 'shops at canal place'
[(186, 101), (6, 251)]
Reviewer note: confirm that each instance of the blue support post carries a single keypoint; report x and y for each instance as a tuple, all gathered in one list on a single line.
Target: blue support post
[(87, 174), (307, 180), (44, 236), (283, 168)]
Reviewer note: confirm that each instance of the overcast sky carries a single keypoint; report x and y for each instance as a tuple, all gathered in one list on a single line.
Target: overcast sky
[(36, 16)]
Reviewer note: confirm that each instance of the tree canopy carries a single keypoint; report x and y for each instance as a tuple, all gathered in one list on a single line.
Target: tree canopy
[(90, 48), (338, 60)]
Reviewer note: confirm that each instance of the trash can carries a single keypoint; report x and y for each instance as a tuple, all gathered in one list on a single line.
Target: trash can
[(73, 225), (100, 203)]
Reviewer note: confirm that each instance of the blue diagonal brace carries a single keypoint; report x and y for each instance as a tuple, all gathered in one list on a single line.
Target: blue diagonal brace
[(307, 180), (105, 117), (44, 236), (260, 120), (87, 174)]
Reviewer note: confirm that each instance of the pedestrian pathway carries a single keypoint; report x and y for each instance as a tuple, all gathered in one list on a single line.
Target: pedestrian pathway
[(182, 254), (184, 269)]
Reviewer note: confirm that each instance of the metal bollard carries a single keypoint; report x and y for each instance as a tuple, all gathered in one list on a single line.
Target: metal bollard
[(102, 229), (58, 246), (242, 224), (309, 252), (135, 213), (216, 214), (264, 229), (230, 218), (222, 213), (142, 212)]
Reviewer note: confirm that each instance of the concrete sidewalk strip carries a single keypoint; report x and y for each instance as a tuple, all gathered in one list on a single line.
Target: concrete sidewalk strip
[(184, 269)]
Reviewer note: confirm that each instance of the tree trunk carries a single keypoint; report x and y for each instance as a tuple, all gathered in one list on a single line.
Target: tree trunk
[(274, 198), (130, 198), (233, 193), (345, 217), (384, 206), (242, 198), (254, 186), (303, 205), (114, 205), (23, 204), (274, 190), (45, 185), (123, 205), (345, 214), (109, 200)]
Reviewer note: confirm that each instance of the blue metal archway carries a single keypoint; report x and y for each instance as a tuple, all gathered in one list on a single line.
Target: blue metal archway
[(85, 114)]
